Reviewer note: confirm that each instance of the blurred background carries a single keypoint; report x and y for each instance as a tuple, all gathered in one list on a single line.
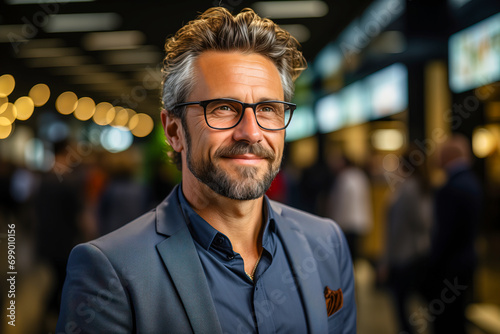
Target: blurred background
[(389, 82)]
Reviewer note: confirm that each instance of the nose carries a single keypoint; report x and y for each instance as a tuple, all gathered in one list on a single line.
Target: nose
[(248, 130)]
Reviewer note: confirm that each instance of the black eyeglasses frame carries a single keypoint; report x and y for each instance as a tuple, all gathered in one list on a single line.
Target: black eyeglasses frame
[(205, 103)]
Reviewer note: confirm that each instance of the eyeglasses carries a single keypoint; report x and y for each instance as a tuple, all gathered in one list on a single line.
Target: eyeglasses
[(223, 114)]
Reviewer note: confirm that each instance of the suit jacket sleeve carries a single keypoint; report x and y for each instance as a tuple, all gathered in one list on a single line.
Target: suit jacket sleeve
[(94, 298)]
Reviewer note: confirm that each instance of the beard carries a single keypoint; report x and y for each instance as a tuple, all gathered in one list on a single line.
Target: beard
[(248, 185)]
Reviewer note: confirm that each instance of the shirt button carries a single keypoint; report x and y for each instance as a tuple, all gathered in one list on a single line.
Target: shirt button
[(219, 241), (230, 257)]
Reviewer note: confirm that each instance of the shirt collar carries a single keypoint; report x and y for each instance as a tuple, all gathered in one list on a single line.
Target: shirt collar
[(204, 234)]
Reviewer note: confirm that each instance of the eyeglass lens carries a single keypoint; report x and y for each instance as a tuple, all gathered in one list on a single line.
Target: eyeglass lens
[(226, 114)]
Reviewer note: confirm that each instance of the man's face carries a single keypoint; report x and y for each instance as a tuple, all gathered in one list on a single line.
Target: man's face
[(239, 163)]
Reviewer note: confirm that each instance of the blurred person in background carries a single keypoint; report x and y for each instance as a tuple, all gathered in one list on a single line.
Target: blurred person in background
[(453, 256), (58, 210), (217, 256), (313, 187), (123, 197), (349, 201), (409, 221)]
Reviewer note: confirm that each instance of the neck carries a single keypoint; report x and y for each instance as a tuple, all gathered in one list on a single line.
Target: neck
[(241, 221)]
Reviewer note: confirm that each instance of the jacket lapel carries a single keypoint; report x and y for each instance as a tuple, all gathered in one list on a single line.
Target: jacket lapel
[(304, 268), (179, 254)]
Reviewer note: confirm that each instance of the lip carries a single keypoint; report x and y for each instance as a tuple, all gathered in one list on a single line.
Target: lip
[(248, 159)]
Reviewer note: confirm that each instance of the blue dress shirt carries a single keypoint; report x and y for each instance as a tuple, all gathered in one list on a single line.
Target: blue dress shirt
[(265, 305)]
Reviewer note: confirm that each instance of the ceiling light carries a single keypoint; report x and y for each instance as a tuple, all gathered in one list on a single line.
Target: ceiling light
[(12, 33), (79, 70), (109, 88), (115, 40), (140, 56), (387, 139), (38, 2), (389, 42), (299, 31), (96, 78), (483, 142), (44, 43), (48, 52), (83, 22), (291, 9), (58, 62)]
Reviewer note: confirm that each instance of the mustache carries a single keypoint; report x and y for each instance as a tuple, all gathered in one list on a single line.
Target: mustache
[(245, 148)]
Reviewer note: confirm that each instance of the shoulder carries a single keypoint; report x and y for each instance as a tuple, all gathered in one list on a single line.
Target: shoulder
[(129, 244), (136, 231), (146, 231), (464, 183)]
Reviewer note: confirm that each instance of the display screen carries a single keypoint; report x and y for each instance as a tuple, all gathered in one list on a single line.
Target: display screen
[(378, 95), (474, 55)]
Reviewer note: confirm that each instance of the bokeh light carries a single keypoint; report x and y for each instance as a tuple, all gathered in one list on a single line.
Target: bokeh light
[(9, 111), (5, 127), (85, 109), (483, 142), (104, 113), (122, 116), (387, 139), (7, 84), (57, 131), (3, 100), (116, 139), (118, 119), (40, 94), (25, 107), (130, 113), (66, 103), (141, 125)]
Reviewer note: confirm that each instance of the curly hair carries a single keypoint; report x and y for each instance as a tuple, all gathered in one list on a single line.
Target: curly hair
[(218, 30)]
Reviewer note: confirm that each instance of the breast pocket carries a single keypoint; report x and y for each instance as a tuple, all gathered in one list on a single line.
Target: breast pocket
[(336, 321)]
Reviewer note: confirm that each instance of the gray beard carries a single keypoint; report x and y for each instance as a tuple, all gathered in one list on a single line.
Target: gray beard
[(247, 186)]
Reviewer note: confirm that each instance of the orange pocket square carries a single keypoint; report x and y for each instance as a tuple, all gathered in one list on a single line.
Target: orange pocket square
[(334, 300)]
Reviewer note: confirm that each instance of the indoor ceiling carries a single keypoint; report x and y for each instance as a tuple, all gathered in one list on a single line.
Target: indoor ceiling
[(114, 54)]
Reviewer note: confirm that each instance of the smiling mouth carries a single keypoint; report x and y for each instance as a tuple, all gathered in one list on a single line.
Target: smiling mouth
[(245, 158)]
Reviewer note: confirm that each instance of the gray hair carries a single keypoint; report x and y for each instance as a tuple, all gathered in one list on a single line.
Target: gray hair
[(217, 29)]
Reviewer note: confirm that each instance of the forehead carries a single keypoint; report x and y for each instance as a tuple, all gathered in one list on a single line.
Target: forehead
[(232, 74)]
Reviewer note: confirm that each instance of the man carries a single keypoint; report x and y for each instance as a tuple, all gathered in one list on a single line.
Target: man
[(216, 256), (453, 257), (349, 202)]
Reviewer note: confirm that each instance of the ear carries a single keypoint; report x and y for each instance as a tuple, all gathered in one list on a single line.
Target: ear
[(173, 130)]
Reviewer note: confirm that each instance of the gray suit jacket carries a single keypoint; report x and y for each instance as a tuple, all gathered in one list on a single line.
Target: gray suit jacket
[(147, 277)]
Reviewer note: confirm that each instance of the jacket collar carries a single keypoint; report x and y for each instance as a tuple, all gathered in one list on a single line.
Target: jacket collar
[(169, 217), (179, 254)]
